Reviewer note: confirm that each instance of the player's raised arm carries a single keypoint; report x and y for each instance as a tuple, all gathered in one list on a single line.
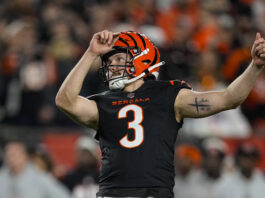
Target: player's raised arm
[(201, 104), (80, 109)]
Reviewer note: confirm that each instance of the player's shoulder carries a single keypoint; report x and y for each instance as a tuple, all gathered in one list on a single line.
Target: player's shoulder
[(180, 83), (170, 83)]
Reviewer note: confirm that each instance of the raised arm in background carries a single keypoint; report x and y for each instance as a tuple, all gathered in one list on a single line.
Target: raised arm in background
[(202, 104), (80, 109)]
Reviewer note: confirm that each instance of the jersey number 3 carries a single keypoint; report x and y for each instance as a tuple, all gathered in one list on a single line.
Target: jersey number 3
[(135, 125)]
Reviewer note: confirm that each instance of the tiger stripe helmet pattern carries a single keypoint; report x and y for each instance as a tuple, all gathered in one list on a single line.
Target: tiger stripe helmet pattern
[(137, 43), (144, 54)]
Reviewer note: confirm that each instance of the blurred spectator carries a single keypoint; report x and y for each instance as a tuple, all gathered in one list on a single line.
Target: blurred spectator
[(18, 178), (242, 6), (180, 53), (211, 174), (41, 159), (187, 161), (214, 151), (85, 175), (33, 83), (246, 180), (258, 10), (183, 9), (86, 190)]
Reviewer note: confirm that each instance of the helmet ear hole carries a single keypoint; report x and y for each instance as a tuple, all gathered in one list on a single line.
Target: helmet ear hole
[(146, 62), (132, 70), (136, 50)]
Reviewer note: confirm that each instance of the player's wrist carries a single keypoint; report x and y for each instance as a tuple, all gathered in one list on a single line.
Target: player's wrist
[(257, 64), (92, 53)]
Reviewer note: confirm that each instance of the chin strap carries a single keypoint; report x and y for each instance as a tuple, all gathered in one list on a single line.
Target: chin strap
[(118, 84)]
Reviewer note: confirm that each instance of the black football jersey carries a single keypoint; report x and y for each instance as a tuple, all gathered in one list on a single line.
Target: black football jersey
[(137, 132)]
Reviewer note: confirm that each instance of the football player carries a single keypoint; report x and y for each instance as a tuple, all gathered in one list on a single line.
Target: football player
[(138, 119)]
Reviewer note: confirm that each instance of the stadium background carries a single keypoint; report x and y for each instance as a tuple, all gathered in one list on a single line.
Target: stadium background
[(204, 42)]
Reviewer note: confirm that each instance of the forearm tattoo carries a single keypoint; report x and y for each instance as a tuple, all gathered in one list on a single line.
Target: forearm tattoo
[(201, 105)]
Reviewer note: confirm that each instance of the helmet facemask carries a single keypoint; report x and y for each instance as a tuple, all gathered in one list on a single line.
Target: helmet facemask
[(142, 60), (124, 70)]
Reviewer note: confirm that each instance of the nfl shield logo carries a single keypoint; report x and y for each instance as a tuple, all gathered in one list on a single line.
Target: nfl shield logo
[(130, 95)]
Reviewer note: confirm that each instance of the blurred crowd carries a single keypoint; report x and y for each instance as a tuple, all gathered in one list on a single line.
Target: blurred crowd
[(28, 171), (204, 42), (209, 171), (206, 168), (207, 43)]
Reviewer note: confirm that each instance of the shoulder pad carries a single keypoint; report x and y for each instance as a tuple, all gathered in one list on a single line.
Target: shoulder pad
[(179, 83)]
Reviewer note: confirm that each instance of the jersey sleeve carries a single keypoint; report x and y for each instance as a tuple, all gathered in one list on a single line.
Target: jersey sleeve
[(174, 86), (180, 84)]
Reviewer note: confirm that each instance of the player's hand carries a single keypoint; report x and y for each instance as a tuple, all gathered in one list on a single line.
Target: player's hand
[(258, 51), (102, 42)]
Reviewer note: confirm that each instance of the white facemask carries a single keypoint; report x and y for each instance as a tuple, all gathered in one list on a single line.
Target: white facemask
[(119, 82)]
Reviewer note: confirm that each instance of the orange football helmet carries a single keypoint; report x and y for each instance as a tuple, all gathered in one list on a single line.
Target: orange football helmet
[(144, 59)]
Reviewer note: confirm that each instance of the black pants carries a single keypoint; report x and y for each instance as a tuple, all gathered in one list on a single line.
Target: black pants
[(135, 193)]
